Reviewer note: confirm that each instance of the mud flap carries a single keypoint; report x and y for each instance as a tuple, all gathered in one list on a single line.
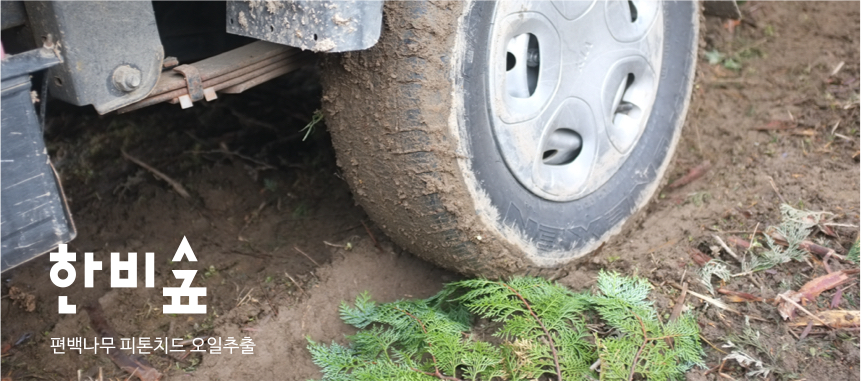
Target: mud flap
[(35, 217)]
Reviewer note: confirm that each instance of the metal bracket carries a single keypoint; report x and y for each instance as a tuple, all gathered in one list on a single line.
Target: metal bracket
[(112, 53), (193, 83)]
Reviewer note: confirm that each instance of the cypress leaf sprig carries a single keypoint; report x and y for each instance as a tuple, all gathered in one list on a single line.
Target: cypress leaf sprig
[(541, 332)]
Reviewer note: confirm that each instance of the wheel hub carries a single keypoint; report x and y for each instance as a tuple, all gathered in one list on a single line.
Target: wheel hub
[(571, 87)]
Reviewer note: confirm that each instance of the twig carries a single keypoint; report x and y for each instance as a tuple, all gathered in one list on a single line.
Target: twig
[(173, 183), (225, 151), (774, 186), (306, 255), (132, 375), (243, 299), (719, 304), (268, 300), (834, 129), (262, 256), (728, 250), (374, 239), (710, 343), (294, 282), (837, 68), (790, 301), (334, 245), (546, 332)]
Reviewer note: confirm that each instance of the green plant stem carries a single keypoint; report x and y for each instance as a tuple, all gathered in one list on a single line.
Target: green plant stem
[(637, 356), (646, 340), (436, 372), (546, 332)]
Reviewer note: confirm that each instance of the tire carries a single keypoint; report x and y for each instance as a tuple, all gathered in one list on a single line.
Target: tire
[(421, 135)]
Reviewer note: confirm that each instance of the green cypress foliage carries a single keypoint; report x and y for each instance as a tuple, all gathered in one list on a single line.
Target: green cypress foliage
[(540, 331)]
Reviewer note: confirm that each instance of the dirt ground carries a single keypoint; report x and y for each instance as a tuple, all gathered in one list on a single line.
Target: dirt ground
[(280, 242)]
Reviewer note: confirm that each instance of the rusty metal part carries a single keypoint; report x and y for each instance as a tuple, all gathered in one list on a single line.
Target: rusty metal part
[(192, 80), (127, 78), (98, 39), (247, 66)]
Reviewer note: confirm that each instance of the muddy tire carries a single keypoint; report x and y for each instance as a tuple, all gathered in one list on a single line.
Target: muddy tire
[(425, 126)]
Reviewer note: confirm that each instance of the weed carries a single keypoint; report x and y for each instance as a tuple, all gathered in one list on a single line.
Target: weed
[(316, 118), (795, 227), (699, 198), (210, 272)]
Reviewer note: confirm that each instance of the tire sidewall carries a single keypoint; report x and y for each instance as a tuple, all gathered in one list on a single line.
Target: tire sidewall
[(561, 231)]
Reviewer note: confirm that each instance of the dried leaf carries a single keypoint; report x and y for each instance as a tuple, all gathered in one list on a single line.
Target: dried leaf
[(22, 299)]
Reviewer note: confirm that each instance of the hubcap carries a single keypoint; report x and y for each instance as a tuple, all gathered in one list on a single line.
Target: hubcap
[(572, 84)]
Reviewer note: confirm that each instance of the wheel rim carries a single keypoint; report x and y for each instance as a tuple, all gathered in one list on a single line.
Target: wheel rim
[(571, 86)]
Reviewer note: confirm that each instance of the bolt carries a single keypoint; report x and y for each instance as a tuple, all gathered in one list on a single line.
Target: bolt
[(127, 78), (532, 58)]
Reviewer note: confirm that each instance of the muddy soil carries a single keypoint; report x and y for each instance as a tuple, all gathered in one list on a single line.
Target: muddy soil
[(280, 242)]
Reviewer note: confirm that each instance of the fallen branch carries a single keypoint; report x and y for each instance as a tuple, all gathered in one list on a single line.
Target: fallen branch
[(173, 183), (139, 368)]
